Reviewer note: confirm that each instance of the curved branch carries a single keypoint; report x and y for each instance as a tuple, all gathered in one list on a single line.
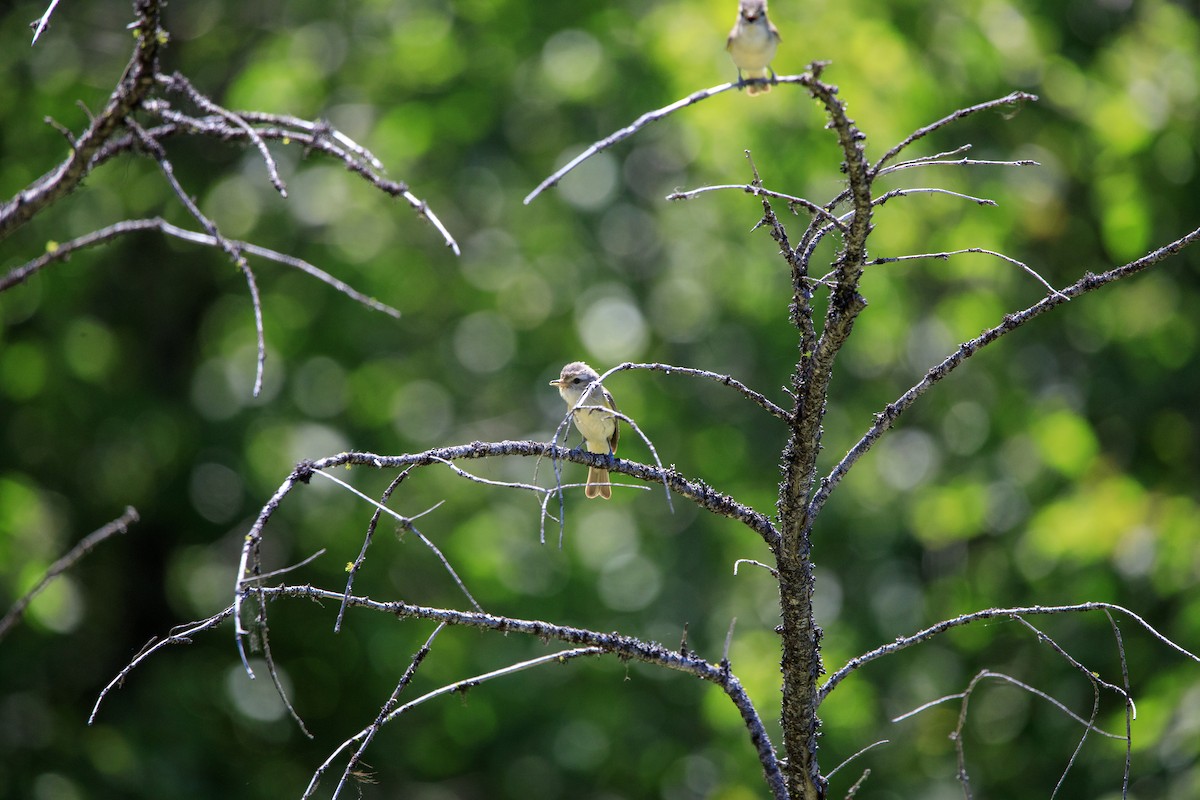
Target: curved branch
[(946, 255), (641, 122), (250, 569), (904, 642), (182, 634), (179, 83), (625, 133), (61, 251), (588, 642), (883, 198), (725, 380)]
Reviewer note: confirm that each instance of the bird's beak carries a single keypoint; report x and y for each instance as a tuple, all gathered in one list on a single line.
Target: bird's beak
[(557, 383)]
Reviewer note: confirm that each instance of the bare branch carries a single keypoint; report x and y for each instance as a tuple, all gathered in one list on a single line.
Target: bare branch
[(179, 83), (134, 85), (625, 133), (318, 131), (235, 255), (1087, 673), (758, 191), (406, 523), (586, 641), (61, 251), (1090, 725), (725, 380), (43, 22), (1010, 100), (644, 120), (883, 198), (932, 161), (82, 548), (353, 568), (958, 735), (904, 642), (369, 734), (886, 419), (946, 255), (871, 746), (182, 634), (364, 736)]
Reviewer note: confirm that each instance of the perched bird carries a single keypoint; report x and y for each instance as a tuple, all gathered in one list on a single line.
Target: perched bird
[(752, 44), (599, 428)]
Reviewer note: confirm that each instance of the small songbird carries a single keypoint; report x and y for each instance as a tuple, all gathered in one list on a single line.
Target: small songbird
[(599, 428), (752, 44)]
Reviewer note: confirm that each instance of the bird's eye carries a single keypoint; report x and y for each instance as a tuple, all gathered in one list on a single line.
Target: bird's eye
[(576, 380)]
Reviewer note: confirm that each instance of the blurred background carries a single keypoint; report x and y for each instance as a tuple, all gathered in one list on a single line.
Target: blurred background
[(1057, 466)]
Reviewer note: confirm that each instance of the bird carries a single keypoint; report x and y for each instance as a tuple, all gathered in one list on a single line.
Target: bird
[(752, 44), (580, 387)]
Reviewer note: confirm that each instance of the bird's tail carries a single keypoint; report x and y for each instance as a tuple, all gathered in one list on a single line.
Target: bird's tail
[(754, 89), (597, 484)]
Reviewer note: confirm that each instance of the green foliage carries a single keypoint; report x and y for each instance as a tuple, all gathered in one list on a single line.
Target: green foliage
[(1060, 465)]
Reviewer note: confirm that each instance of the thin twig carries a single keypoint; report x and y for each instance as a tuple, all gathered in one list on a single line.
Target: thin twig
[(235, 254), (883, 198), (758, 191), (273, 671), (1087, 673), (364, 736), (853, 790), (179, 83), (725, 380), (1088, 724), (180, 635), (60, 251), (43, 22), (1130, 711), (728, 642), (388, 707), (353, 568), (625, 133), (1008, 100), (933, 161), (871, 746), (946, 255), (82, 548), (406, 523), (774, 572), (290, 568), (319, 130)]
